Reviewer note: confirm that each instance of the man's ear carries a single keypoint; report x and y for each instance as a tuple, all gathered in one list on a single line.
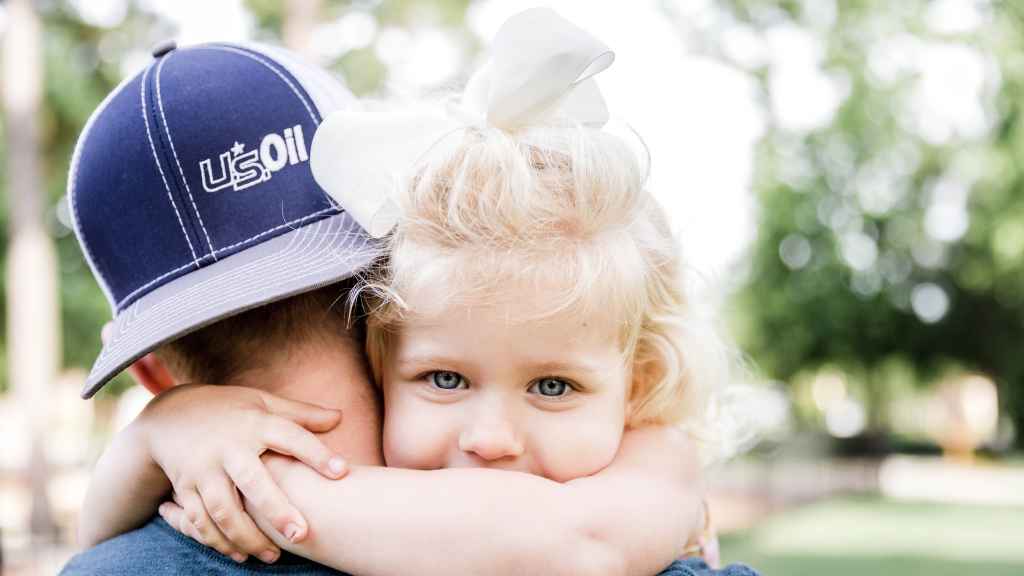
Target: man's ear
[(151, 372)]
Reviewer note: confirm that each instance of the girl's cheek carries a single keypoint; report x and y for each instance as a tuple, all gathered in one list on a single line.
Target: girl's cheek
[(413, 438), (585, 447)]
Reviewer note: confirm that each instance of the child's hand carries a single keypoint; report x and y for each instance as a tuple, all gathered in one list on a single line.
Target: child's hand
[(208, 441)]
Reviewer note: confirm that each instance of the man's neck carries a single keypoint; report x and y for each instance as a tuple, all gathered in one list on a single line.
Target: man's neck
[(330, 374)]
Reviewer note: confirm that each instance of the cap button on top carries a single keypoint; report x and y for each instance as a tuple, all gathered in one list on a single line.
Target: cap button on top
[(164, 47)]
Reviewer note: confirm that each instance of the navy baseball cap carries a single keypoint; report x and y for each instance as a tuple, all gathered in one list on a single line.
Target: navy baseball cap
[(193, 199)]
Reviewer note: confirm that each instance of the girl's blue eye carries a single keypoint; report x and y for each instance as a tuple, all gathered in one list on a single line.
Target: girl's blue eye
[(551, 387), (446, 380)]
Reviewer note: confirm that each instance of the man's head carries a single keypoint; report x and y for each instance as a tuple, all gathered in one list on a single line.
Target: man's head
[(193, 201), (259, 339), (302, 348), (195, 206)]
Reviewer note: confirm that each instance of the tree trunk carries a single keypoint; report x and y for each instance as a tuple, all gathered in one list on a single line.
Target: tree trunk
[(32, 301)]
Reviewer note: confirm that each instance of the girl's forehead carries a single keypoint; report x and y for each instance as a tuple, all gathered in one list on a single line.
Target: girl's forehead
[(507, 330), (510, 305)]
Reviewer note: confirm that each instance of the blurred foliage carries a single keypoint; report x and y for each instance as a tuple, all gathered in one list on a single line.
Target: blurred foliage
[(858, 261), (362, 68), (85, 62)]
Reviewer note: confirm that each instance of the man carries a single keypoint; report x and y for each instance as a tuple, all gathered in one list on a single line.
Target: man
[(194, 204)]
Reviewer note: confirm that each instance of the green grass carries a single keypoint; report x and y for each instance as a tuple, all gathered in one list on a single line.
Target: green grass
[(872, 536)]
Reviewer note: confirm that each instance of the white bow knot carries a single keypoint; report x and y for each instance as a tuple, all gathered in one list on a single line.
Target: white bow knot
[(541, 69)]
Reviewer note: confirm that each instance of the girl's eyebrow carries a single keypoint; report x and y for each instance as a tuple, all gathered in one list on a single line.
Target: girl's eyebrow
[(548, 366), (428, 360), (565, 367)]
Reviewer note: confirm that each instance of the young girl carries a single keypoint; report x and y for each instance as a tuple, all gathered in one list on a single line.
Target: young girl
[(529, 317)]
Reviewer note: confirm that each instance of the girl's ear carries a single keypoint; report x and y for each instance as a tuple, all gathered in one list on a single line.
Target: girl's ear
[(152, 373)]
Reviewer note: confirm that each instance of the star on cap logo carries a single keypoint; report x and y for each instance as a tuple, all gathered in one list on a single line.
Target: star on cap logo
[(240, 169)]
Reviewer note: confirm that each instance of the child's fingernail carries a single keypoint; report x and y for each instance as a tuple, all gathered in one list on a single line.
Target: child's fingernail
[(238, 557), (291, 532), (336, 465), (268, 556)]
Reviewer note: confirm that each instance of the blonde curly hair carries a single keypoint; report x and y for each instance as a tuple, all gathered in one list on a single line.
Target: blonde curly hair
[(560, 208)]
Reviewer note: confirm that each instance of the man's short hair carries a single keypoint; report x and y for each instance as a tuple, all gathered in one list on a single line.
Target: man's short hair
[(221, 351)]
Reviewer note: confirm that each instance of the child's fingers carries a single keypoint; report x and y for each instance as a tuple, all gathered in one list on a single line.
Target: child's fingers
[(174, 515), (225, 509), (265, 498), (203, 528), (286, 437), (309, 416)]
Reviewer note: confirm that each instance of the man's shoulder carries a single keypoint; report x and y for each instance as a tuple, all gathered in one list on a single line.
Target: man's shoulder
[(148, 546), (156, 549), (697, 567)]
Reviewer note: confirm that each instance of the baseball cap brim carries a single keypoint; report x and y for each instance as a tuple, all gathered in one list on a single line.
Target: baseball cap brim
[(317, 254)]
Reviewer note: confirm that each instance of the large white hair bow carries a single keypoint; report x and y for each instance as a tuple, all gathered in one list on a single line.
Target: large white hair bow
[(541, 68)]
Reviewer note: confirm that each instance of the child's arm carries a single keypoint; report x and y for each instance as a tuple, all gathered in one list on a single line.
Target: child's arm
[(631, 518), (125, 489), (168, 447)]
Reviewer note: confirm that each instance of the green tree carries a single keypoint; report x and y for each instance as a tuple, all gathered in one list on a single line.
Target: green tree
[(863, 253)]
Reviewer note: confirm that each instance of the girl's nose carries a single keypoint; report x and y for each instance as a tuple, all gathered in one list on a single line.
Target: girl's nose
[(491, 439)]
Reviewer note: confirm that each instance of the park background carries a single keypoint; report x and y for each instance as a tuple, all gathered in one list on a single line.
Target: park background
[(843, 177)]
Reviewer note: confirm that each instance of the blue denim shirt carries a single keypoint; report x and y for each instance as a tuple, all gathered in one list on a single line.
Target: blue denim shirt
[(697, 567), (157, 549)]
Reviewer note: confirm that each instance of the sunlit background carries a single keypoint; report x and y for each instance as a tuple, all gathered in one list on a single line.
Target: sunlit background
[(844, 180)]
